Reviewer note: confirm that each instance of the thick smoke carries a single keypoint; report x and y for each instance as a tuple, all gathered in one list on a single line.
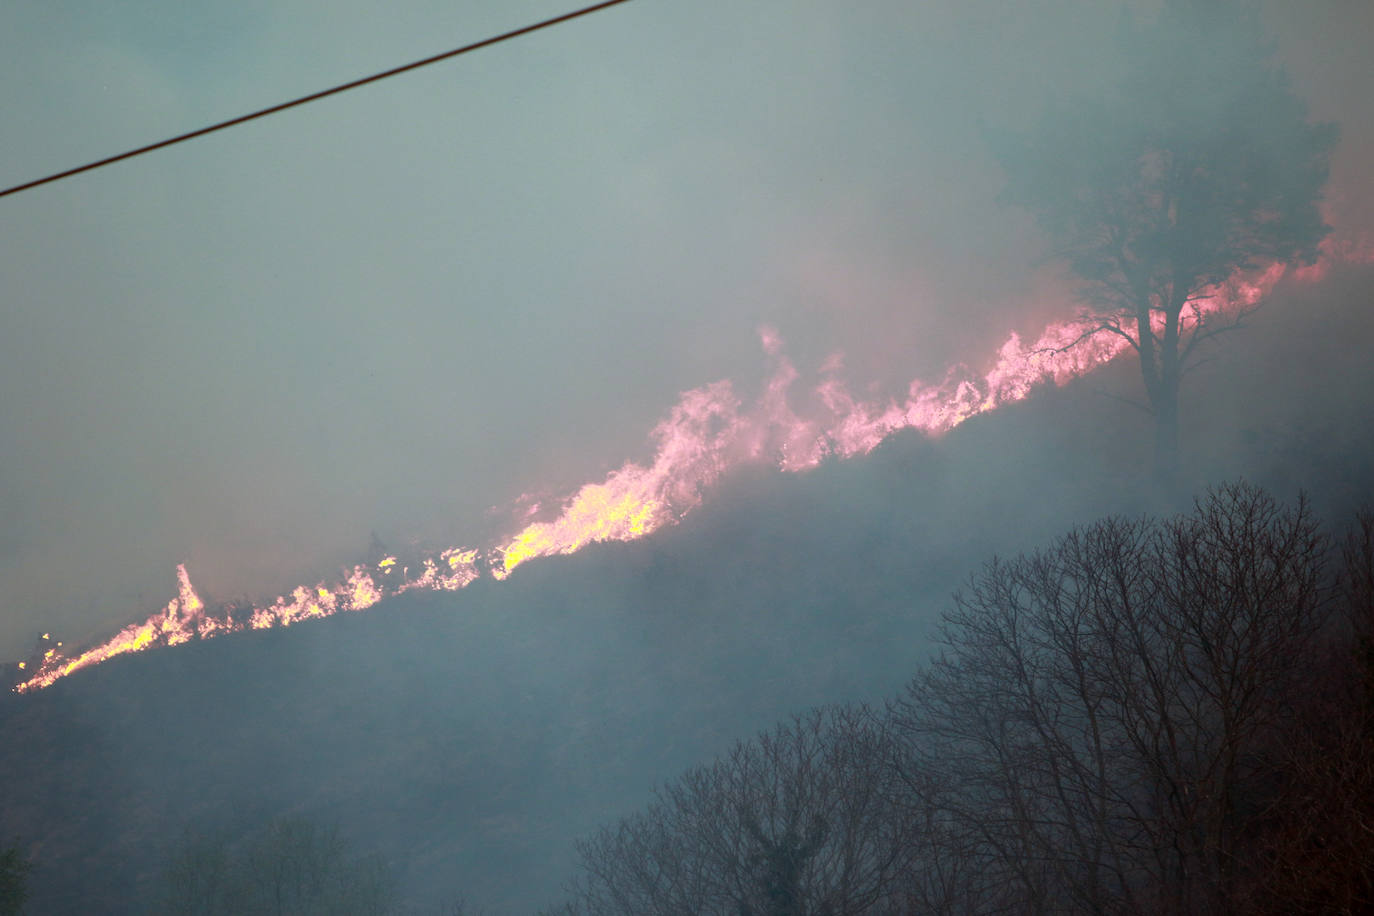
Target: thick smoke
[(396, 310)]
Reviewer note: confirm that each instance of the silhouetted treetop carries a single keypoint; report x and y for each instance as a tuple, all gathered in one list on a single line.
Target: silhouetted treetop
[(1196, 162)]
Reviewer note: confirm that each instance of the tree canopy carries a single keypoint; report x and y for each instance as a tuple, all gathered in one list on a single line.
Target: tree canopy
[(1198, 162)]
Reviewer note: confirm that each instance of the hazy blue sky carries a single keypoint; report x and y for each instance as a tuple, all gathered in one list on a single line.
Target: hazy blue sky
[(398, 308)]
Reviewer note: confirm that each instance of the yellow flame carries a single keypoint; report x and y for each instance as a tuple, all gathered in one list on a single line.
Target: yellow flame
[(705, 434)]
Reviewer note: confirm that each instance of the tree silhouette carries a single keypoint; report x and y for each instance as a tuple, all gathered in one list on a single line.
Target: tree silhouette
[(1150, 716), (1314, 855), (779, 865), (1199, 163), (1102, 720), (795, 823)]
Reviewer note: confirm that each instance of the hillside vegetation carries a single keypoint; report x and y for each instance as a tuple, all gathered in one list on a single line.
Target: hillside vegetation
[(467, 741)]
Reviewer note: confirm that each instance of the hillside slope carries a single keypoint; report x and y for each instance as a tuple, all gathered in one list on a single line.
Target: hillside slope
[(468, 738)]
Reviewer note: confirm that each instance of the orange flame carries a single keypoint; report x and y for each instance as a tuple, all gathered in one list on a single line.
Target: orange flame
[(705, 434)]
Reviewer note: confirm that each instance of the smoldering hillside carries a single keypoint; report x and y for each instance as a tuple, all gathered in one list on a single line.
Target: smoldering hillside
[(469, 738)]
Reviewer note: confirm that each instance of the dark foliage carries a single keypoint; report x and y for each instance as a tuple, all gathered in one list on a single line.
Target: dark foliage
[(794, 823), (470, 738), (1148, 717)]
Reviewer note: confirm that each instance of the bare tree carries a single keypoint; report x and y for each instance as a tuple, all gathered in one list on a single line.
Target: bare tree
[(1315, 852), (947, 866), (1096, 726), (795, 823)]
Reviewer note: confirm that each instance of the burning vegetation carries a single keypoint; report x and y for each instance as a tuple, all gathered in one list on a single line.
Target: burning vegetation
[(706, 434)]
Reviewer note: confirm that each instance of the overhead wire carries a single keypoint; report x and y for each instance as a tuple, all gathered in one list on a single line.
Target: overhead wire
[(314, 96)]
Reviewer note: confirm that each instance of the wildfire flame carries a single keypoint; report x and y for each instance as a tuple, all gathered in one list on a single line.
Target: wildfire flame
[(705, 434)]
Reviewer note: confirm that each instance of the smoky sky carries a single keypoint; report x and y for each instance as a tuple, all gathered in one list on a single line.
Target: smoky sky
[(401, 308)]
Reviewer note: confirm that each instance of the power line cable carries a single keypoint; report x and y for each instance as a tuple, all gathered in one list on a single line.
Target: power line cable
[(343, 87)]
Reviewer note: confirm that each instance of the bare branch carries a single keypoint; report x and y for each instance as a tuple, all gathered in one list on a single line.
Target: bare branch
[(1111, 325), (1203, 332)]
